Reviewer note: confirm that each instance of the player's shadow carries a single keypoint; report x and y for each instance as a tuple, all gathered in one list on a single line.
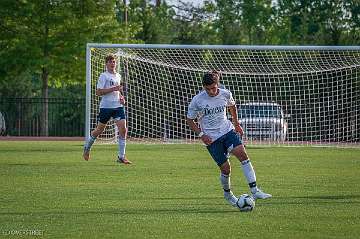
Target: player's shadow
[(18, 164), (320, 199), (186, 198), (43, 150), (329, 197), (167, 206), (119, 211)]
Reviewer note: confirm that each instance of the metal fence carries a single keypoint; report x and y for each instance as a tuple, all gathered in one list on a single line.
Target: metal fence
[(23, 116)]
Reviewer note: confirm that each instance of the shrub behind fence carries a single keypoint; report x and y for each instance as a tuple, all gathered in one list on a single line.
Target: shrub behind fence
[(23, 116)]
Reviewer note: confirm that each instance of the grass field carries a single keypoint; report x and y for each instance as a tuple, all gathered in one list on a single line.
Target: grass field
[(173, 191)]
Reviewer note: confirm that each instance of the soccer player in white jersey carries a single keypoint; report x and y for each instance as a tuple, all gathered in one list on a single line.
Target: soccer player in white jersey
[(220, 135), (111, 106)]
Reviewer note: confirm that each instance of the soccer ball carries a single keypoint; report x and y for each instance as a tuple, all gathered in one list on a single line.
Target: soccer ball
[(245, 203)]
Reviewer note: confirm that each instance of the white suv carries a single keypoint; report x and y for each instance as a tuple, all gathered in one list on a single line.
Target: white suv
[(263, 121)]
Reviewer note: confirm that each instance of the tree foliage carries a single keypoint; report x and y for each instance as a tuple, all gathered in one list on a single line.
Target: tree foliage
[(153, 22), (48, 38), (318, 22), (43, 42), (194, 25)]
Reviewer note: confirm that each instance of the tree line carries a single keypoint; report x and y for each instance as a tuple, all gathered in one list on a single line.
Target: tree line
[(43, 42)]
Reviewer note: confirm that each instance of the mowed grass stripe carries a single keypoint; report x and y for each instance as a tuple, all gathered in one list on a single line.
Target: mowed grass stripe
[(173, 191)]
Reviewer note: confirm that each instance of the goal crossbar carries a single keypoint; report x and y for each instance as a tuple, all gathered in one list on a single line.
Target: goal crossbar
[(224, 47)]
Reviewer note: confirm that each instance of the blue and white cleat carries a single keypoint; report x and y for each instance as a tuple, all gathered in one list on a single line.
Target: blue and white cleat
[(230, 198), (260, 195)]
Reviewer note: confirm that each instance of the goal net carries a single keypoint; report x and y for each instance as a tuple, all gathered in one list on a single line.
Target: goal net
[(284, 95)]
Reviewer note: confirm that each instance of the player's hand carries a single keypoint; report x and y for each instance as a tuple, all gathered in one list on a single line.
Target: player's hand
[(122, 100), (118, 88), (206, 139), (239, 129)]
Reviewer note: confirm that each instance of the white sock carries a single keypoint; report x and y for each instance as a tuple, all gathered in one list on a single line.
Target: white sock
[(249, 174), (225, 181), (90, 142), (122, 146)]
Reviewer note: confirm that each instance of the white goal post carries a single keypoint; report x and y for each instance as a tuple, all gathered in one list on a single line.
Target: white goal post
[(285, 94)]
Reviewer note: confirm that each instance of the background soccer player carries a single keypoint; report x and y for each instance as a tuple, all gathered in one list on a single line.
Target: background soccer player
[(220, 135), (111, 106)]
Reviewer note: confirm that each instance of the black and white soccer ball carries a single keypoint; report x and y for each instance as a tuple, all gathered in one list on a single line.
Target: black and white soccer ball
[(245, 203)]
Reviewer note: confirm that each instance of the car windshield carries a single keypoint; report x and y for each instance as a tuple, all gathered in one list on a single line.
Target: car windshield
[(256, 111)]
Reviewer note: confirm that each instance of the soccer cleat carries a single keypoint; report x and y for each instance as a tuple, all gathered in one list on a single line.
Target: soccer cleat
[(123, 160), (230, 198), (261, 195), (86, 154)]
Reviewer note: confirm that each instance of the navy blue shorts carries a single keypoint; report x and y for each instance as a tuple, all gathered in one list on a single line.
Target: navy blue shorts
[(220, 148), (106, 113)]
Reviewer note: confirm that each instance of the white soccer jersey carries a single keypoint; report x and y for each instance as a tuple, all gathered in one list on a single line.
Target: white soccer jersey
[(211, 112), (108, 80)]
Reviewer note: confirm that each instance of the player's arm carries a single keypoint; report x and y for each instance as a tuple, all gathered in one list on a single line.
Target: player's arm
[(121, 94), (100, 92), (190, 119), (122, 99), (235, 120), (192, 124)]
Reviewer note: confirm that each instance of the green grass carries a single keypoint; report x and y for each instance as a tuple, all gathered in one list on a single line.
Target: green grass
[(173, 191)]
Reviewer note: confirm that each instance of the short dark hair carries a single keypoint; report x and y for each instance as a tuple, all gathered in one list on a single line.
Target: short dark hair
[(211, 77)]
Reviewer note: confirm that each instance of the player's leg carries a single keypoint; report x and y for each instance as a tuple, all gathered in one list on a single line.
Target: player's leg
[(89, 142), (236, 147), (225, 171), (121, 124), (218, 153), (103, 118), (120, 120)]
